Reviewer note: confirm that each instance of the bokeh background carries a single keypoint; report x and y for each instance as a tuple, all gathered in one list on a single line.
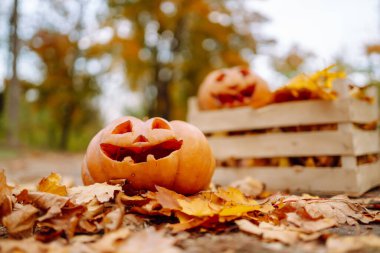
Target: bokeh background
[(67, 67)]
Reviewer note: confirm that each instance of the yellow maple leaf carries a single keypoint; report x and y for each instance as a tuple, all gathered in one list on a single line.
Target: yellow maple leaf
[(198, 207), (234, 197), (320, 79), (238, 210), (314, 86), (52, 184)]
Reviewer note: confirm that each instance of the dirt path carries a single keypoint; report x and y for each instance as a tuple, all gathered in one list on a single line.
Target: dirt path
[(31, 166)]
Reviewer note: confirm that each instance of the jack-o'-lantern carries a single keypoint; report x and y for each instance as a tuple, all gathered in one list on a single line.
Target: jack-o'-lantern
[(233, 87), (175, 155)]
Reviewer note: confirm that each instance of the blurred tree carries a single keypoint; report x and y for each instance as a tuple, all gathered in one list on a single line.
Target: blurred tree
[(14, 90), (373, 56), (65, 94), (291, 63), (168, 46)]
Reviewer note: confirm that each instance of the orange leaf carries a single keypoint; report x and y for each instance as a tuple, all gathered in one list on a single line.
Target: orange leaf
[(52, 184), (5, 195), (168, 199)]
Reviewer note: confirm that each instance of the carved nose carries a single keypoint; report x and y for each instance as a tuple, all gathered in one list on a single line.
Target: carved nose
[(140, 138)]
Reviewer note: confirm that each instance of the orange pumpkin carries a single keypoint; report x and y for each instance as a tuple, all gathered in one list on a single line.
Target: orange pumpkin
[(175, 155), (233, 87)]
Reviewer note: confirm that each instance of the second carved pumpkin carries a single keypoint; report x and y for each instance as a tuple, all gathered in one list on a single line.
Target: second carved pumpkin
[(233, 87)]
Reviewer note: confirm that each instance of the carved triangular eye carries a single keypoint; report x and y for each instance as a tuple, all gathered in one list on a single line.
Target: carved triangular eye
[(123, 128), (244, 72), (160, 124), (220, 77)]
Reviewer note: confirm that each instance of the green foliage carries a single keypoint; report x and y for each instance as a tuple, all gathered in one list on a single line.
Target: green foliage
[(63, 110), (172, 45)]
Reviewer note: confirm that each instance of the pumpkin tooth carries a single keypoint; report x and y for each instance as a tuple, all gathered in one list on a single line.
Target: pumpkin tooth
[(128, 159), (150, 157)]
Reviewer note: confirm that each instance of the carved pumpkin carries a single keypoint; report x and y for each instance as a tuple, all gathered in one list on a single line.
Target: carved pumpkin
[(233, 87), (175, 155)]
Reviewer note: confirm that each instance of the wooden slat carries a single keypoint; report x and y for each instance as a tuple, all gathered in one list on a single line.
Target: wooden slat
[(368, 176), (275, 115), (316, 181), (362, 111), (365, 142), (282, 144)]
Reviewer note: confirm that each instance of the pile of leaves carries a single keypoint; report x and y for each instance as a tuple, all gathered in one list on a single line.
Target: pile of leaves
[(110, 217), (318, 85)]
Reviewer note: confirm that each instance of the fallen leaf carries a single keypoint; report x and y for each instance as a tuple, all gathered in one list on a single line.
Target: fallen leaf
[(45, 201), (66, 223), (234, 197), (5, 196), (28, 245), (149, 241), (269, 231), (249, 186), (364, 243), (52, 184), (186, 222), (310, 226), (110, 241), (198, 207), (238, 210), (84, 194), (314, 86), (93, 209), (20, 222), (168, 199), (113, 219), (339, 208)]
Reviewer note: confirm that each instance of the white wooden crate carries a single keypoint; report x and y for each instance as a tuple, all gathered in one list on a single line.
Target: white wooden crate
[(347, 142)]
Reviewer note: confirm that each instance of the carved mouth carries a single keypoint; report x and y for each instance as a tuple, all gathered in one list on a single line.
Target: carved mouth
[(240, 96), (140, 154)]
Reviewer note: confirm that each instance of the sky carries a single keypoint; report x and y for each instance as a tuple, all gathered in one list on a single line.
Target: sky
[(327, 28)]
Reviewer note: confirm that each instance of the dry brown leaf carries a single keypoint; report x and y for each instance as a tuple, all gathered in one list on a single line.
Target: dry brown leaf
[(93, 209), (168, 199), (269, 231), (52, 212), (310, 226), (45, 201), (338, 208), (20, 222), (113, 219), (364, 243), (52, 184), (186, 222), (133, 200), (5, 196), (66, 223), (49, 202), (28, 245), (249, 186), (84, 194), (149, 241), (110, 241)]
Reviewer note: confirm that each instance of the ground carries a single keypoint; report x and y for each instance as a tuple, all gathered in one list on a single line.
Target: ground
[(26, 167)]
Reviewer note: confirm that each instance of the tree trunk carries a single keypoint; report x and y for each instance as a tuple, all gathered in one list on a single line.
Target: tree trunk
[(69, 108), (66, 127), (162, 107), (14, 89)]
